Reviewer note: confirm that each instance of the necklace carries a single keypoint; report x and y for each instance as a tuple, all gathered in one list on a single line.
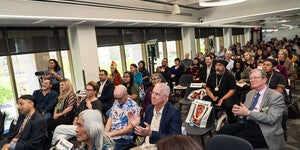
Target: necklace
[(270, 78), (218, 84)]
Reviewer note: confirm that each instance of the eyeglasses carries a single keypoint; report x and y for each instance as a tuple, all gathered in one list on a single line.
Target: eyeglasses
[(126, 76), (89, 90), (255, 78), (119, 98)]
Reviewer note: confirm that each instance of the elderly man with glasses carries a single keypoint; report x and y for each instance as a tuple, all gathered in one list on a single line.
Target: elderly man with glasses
[(118, 125)]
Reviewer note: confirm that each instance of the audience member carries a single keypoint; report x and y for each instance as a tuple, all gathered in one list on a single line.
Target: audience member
[(53, 73), (165, 70), (275, 80), (208, 69), (262, 113), (30, 130), (45, 99), (228, 55), (176, 71), (221, 53), (195, 70), (249, 62), (178, 142), (161, 119), (220, 89), (186, 62), (63, 110), (133, 90), (90, 130), (240, 73), (284, 61), (155, 78), (118, 126), (145, 74), (115, 75), (138, 78), (106, 89), (90, 102)]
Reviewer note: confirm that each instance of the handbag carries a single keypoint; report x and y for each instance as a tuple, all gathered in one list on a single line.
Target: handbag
[(293, 110)]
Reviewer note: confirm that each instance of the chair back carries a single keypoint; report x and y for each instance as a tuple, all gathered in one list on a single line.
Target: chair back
[(227, 142), (185, 79)]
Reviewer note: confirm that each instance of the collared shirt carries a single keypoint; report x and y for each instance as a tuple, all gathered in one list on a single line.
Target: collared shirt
[(208, 69), (118, 114), (101, 87), (257, 106), (45, 102), (230, 64), (155, 122)]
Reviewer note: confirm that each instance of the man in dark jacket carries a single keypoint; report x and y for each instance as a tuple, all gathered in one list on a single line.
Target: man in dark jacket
[(106, 91), (30, 129)]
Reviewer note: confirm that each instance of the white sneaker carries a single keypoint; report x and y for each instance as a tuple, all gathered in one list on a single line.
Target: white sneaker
[(221, 122)]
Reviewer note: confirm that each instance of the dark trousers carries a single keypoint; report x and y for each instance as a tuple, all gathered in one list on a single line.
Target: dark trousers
[(248, 130), (227, 106)]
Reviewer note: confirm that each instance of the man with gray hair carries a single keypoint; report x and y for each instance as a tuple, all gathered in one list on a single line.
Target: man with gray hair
[(161, 119), (228, 55), (262, 114)]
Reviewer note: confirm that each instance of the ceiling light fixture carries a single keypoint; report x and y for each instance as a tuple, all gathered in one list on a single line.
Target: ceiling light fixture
[(176, 9), (205, 3)]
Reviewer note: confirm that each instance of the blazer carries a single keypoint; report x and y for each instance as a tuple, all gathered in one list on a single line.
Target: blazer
[(170, 122), (269, 117), (33, 134), (204, 72), (107, 95)]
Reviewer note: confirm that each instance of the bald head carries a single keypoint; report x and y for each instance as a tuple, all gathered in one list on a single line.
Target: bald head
[(120, 92), (187, 55)]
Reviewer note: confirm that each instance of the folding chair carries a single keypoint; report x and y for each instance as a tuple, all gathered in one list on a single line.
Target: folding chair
[(201, 132), (227, 142), (185, 101)]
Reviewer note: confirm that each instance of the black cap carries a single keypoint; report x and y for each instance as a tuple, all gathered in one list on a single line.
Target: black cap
[(28, 97), (221, 61), (273, 61)]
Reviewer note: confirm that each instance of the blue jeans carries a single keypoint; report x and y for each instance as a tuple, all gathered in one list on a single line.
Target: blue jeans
[(122, 143)]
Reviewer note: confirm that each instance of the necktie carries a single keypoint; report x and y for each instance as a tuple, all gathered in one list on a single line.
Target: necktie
[(256, 97)]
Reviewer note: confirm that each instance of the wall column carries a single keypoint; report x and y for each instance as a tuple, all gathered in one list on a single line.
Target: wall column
[(227, 34), (247, 34), (188, 41), (83, 45)]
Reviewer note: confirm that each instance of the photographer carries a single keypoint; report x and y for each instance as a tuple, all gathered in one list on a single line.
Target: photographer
[(53, 73)]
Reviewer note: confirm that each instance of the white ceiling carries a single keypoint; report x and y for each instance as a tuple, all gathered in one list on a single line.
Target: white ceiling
[(147, 13)]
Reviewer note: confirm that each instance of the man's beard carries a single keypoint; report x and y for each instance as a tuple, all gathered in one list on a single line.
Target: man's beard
[(218, 72)]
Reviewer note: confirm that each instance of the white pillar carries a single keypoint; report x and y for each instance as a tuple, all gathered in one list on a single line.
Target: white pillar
[(247, 32), (188, 41), (227, 34), (83, 46)]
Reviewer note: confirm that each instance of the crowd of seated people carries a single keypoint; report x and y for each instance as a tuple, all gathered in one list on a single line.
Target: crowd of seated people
[(117, 99)]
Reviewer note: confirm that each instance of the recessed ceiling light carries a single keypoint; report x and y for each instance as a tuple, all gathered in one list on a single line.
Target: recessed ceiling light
[(205, 3)]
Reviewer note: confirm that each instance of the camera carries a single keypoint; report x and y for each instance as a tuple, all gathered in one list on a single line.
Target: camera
[(39, 73)]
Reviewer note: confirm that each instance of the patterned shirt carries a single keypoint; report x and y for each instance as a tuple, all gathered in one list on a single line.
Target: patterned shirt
[(118, 114)]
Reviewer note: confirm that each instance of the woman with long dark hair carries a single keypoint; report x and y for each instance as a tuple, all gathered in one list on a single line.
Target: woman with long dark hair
[(240, 72), (53, 73), (133, 89), (145, 73)]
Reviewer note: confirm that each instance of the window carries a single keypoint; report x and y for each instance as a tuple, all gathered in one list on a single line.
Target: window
[(108, 54), (133, 54), (24, 69), (7, 100), (66, 63), (171, 50), (160, 53)]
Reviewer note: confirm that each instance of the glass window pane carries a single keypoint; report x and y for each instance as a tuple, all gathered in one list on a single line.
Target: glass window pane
[(108, 54), (7, 100), (133, 54), (171, 50), (66, 64), (52, 55), (24, 69), (161, 55)]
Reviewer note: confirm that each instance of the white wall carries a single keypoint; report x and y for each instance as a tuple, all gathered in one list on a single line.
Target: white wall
[(289, 34)]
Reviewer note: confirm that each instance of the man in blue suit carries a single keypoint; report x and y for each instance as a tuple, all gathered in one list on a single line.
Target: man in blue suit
[(161, 119), (30, 129)]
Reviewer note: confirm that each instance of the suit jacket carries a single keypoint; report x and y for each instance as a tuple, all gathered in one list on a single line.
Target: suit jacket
[(204, 72), (33, 134), (269, 117), (107, 95), (170, 122)]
